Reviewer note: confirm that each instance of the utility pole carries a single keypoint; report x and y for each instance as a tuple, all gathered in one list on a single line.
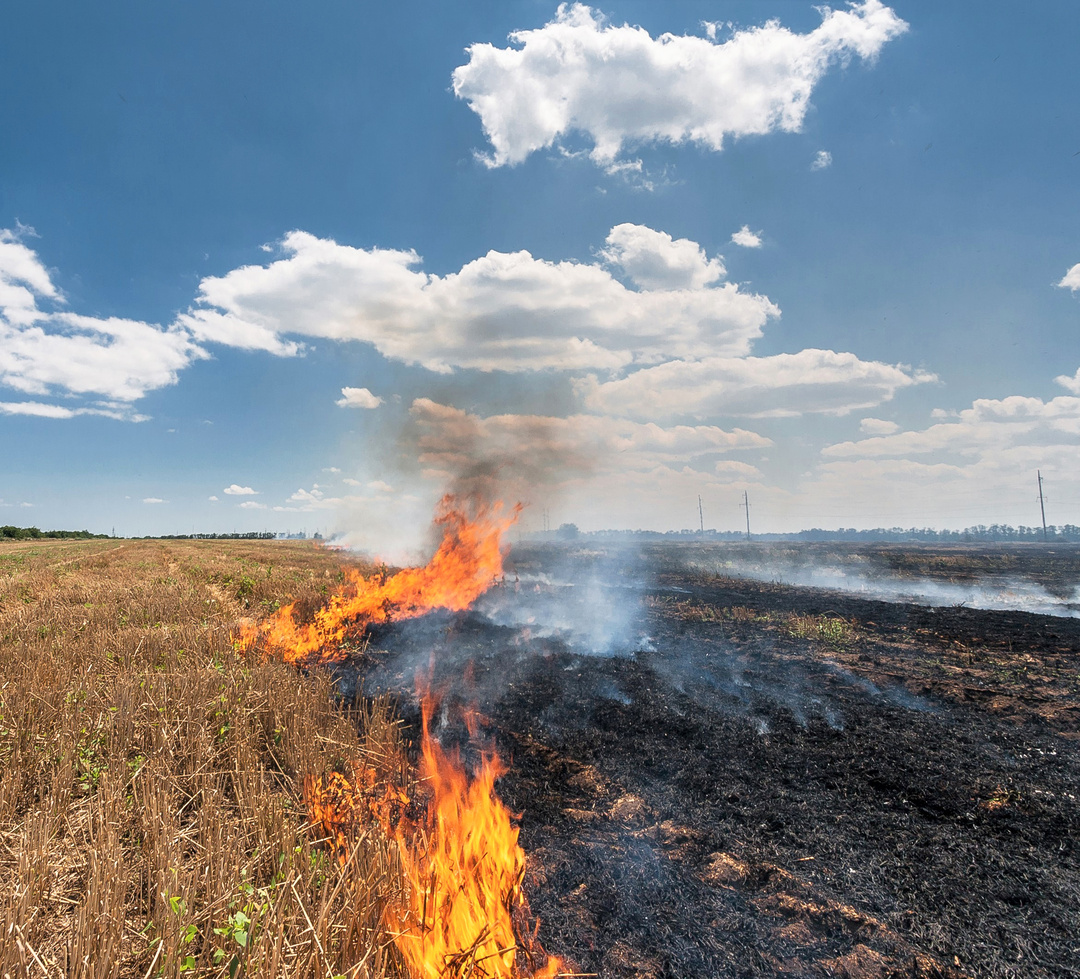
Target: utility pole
[(746, 505), (700, 516), (1042, 505)]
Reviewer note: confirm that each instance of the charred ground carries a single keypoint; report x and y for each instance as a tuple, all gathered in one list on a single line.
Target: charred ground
[(760, 779)]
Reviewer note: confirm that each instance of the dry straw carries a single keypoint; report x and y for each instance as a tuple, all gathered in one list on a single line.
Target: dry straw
[(151, 817)]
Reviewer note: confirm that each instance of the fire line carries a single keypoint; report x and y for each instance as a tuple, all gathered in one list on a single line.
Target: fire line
[(468, 560), (466, 913)]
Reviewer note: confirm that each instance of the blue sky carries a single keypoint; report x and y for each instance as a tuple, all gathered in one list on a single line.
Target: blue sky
[(893, 342)]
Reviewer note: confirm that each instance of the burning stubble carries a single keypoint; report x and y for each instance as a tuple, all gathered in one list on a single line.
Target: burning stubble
[(465, 911), (469, 558)]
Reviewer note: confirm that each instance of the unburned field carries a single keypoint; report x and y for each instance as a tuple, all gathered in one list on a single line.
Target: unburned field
[(717, 776), (151, 811)]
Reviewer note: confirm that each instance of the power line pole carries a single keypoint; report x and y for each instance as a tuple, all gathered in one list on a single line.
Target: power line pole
[(700, 516), (1042, 505), (746, 505)]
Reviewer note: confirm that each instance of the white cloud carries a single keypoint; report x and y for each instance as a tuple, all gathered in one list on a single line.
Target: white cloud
[(977, 467), (306, 501), (42, 409), (252, 505), (780, 385), (23, 279), (878, 426), (314, 495), (154, 499), (331, 469), (654, 260), (632, 171), (213, 499), (358, 398), (745, 238), (46, 351), (380, 486), (505, 311), (1069, 383), (237, 490), (619, 85), (989, 427), (212, 324), (1071, 279), (25, 504), (822, 160), (349, 481), (120, 359)]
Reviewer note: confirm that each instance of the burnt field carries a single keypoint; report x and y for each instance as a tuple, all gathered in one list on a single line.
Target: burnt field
[(725, 776)]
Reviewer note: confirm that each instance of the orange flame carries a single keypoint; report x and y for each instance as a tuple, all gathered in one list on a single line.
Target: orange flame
[(469, 559), (467, 913)]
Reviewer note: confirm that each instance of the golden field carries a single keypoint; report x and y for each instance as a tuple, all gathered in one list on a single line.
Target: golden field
[(152, 820)]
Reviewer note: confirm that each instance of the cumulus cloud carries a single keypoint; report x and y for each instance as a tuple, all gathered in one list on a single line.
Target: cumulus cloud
[(822, 160), (52, 351), (213, 499), (357, 398), (990, 427), (780, 385), (504, 311), (878, 426), (154, 499), (979, 466), (313, 495), (619, 85), (1071, 279), (308, 500), (654, 260), (236, 490), (745, 238), (252, 505), (1069, 383)]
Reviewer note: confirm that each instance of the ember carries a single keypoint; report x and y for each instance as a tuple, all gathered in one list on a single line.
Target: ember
[(469, 559)]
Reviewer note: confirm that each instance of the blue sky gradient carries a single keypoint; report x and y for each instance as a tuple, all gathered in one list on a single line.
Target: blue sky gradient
[(151, 147)]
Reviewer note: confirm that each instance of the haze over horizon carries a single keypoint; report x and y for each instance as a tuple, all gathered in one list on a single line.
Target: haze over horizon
[(310, 268)]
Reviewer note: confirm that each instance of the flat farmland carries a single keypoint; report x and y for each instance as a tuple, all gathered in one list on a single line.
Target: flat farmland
[(715, 774), (152, 819)]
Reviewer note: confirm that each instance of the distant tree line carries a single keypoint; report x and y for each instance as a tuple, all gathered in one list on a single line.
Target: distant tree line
[(33, 533), (995, 533), (251, 535)]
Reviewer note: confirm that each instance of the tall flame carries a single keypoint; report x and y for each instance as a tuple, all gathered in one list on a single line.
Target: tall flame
[(467, 914), (468, 560)]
